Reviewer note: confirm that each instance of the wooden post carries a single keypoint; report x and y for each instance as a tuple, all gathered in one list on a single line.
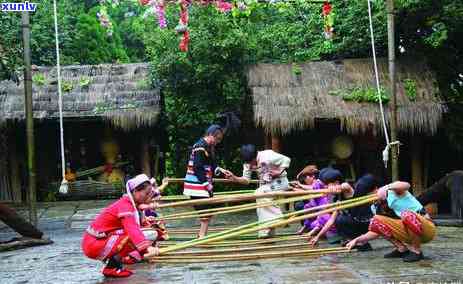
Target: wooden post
[(417, 164), (276, 143), (145, 156), (392, 77), (26, 33)]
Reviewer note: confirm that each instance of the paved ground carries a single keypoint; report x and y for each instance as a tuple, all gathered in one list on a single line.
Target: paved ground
[(63, 261)]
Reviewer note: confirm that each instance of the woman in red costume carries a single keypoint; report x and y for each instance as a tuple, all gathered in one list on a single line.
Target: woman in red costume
[(116, 231)]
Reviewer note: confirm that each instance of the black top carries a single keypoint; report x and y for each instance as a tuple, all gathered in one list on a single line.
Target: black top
[(202, 159)]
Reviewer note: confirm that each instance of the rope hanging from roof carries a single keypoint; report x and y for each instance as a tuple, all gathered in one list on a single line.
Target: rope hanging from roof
[(64, 184), (378, 90)]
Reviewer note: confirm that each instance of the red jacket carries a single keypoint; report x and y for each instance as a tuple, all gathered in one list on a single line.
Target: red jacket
[(121, 215)]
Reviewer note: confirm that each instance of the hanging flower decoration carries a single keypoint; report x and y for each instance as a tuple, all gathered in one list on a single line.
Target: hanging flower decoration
[(182, 27), (105, 21), (157, 7), (328, 19), (223, 6), (161, 11), (241, 6)]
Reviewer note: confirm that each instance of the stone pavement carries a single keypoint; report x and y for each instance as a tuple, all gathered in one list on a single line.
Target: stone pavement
[(63, 261)]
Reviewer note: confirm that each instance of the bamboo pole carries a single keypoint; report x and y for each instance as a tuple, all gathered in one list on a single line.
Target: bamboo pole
[(269, 241), (188, 236), (195, 230), (392, 80), (216, 180), (31, 168), (242, 197), (292, 252), (288, 215), (193, 261), (257, 226), (227, 250), (186, 197), (234, 209), (249, 256)]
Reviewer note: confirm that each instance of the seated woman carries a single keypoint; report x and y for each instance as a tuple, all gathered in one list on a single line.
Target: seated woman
[(352, 222), (305, 180), (329, 179), (116, 231), (406, 225)]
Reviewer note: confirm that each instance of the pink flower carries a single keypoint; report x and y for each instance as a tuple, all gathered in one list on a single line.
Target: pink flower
[(224, 7)]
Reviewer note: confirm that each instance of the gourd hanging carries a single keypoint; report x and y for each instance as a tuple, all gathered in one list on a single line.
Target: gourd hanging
[(328, 20)]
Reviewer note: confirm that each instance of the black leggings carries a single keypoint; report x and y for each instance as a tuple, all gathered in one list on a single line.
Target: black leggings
[(350, 228)]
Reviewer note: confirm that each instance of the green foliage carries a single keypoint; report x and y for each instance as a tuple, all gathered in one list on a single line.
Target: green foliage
[(362, 95), (297, 70), (39, 79), (66, 86), (142, 84), (84, 81), (92, 45), (433, 29), (210, 77), (410, 89)]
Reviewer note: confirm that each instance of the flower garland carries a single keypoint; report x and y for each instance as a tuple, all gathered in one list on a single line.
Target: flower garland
[(105, 22), (328, 19), (182, 27), (157, 7)]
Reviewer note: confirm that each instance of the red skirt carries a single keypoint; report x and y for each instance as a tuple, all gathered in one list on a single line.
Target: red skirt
[(104, 248)]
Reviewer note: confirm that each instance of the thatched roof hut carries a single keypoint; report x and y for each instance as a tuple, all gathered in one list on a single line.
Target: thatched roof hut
[(120, 93), (288, 97)]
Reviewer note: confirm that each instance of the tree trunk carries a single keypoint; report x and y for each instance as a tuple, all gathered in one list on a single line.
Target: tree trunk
[(17, 223)]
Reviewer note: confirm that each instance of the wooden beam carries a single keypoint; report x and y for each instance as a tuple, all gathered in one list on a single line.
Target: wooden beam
[(17, 223)]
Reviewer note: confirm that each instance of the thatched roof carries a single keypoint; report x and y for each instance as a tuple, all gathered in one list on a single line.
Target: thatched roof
[(287, 98), (120, 93)]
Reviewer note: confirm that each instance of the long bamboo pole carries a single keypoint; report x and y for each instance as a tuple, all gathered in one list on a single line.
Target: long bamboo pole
[(239, 249), (216, 180), (31, 167), (193, 261), (249, 256), (234, 209), (288, 215), (308, 196), (237, 243), (242, 197), (250, 228), (392, 80), (233, 255), (185, 197)]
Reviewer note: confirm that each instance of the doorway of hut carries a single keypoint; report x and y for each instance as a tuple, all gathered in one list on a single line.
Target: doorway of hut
[(326, 144), (99, 158)]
